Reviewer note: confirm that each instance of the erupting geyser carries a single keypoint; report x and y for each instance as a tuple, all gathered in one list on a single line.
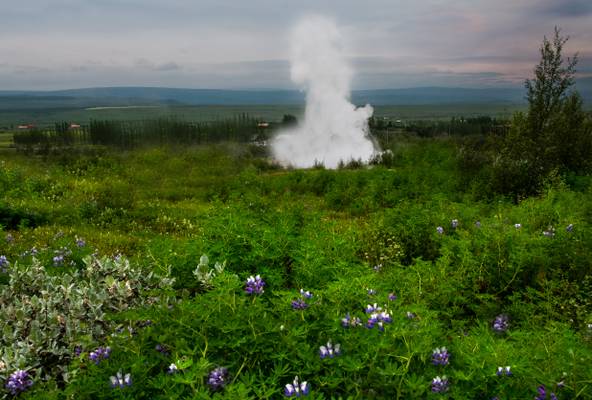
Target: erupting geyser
[(333, 129)]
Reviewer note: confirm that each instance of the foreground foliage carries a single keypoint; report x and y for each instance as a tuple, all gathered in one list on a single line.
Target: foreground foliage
[(465, 286)]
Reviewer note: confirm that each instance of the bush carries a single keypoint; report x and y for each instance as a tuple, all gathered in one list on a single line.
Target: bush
[(44, 316)]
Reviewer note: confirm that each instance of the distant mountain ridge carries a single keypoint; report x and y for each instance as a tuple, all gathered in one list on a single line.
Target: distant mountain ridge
[(122, 96)]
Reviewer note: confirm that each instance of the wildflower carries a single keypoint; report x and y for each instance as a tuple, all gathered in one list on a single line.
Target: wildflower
[(454, 223), (101, 353), (217, 378), (18, 382), (440, 385), (254, 285), (569, 228), (121, 381), (377, 267), (350, 322), (306, 294), (385, 317), (478, 224), (296, 388), (9, 238), (34, 251), (549, 232), (440, 230), (161, 349), (503, 371), (58, 260), (542, 394), (440, 356), (410, 315), (517, 226), (80, 242), (500, 324), (172, 369), (392, 297), (77, 351), (4, 263), (371, 292), (330, 350), (299, 304), (379, 319), (371, 308)]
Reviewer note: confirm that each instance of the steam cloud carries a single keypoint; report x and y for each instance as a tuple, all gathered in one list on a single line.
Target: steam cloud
[(333, 129)]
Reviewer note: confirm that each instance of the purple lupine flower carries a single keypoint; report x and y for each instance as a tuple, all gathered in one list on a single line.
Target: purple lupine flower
[(99, 354), (410, 315), (80, 242), (299, 304), (541, 394), (503, 371), (517, 226), (371, 292), (561, 384), (18, 382), (379, 319), (306, 294), (385, 317), (58, 260), (4, 263), (330, 350), (440, 230), (254, 285), (348, 321), (478, 224), (161, 349), (500, 324), (454, 223), (440, 356), (296, 389), (172, 369), (372, 308), (569, 228), (144, 323), (34, 251), (217, 378), (392, 297), (440, 385), (121, 381), (373, 320), (77, 351)]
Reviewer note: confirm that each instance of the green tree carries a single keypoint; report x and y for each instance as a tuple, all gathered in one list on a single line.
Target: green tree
[(555, 136)]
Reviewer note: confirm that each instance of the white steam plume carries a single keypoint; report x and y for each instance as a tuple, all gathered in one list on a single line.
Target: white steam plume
[(333, 129)]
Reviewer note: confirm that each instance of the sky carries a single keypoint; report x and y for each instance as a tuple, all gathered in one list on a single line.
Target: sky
[(240, 44)]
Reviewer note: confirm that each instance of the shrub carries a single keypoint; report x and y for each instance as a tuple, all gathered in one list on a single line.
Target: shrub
[(43, 317)]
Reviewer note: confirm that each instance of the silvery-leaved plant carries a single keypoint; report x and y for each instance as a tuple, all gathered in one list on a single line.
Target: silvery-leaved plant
[(205, 274), (43, 317)]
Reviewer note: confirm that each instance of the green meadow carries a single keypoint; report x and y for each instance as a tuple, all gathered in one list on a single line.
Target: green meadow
[(104, 249)]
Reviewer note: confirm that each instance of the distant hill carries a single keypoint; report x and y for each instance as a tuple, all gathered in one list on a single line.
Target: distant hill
[(125, 96)]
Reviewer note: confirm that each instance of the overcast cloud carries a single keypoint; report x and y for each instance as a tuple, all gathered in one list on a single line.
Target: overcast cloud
[(58, 44)]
